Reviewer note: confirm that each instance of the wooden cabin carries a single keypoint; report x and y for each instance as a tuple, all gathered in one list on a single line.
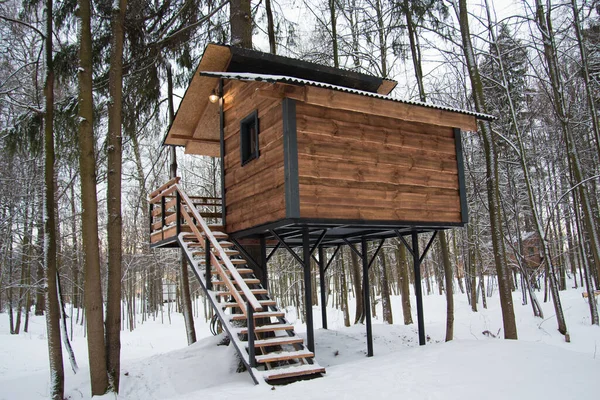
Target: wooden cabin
[(302, 143), (312, 157)]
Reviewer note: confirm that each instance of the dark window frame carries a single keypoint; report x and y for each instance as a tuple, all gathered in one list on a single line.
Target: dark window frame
[(249, 147)]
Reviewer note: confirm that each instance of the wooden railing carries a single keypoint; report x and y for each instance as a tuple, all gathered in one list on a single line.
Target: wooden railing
[(171, 196)]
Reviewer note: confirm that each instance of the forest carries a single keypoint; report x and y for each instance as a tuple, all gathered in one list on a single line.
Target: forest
[(88, 90)]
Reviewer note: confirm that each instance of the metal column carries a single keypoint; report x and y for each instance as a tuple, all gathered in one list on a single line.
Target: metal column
[(310, 334), (322, 284), (366, 296), (263, 263), (418, 289)]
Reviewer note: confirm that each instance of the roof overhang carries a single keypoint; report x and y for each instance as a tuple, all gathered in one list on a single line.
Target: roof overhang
[(196, 124)]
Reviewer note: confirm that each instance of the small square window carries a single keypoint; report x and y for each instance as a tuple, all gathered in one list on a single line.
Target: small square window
[(249, 137)]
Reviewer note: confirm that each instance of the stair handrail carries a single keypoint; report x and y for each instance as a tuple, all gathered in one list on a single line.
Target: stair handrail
[(251, 299)]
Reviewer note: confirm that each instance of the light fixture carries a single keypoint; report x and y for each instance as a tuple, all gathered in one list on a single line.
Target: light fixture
[(214, 97)]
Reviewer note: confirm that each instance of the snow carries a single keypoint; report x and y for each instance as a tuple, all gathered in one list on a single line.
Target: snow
[(157, 364)]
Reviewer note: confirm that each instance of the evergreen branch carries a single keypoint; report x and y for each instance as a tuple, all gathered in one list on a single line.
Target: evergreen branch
[(195, 24)]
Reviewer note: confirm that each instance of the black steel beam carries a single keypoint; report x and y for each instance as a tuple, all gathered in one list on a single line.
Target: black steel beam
[(376, 252), (332, 257), (367, 297), (222, 151), (322, 286), (273, 251), (207, 260), (427, 247), (263, 263), (358, 253), (319, 240), (288, 248), (418, 289), (401, 237), (245, 254), (310, 334)]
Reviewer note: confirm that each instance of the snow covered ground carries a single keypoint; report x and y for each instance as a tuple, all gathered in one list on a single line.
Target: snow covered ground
[(157, 364)]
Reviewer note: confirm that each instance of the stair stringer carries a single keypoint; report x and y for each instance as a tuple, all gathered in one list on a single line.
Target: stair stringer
[(232, 331)]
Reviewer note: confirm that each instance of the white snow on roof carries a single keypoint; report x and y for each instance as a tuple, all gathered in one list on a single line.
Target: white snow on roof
[(246, 76)]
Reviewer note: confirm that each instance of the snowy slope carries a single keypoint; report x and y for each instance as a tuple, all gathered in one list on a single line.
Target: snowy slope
[(157, 364)]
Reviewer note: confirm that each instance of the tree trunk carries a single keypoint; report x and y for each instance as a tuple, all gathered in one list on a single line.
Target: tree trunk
[(57, 374), (40, 299), (344, 285), (386, 303), (404, 283), (113, 198), (89, 218), (506, 301), (270, 27), (543, 20), (356, 280), (186, 298), (449, 286), (240, 20), (334, 42)]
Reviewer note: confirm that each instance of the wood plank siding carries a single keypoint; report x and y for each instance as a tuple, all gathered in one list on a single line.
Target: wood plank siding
[(254, 193), (361, 166)]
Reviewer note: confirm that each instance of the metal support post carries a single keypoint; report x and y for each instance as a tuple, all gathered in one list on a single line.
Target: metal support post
[(418, 289), (366, 296), (264, 279), (178, 208), (151, 217), (310, 334), (207, 261), (251, 354), (322, 284), (163, 211)]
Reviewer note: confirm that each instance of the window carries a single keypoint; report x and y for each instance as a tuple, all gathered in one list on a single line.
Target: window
[(249, 137)]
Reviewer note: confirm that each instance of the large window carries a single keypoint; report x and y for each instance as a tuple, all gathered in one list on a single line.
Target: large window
[(249, 137)]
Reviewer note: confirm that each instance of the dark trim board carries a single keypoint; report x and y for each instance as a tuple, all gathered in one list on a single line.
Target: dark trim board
[(290, 159), (222, 150), (462, 190)]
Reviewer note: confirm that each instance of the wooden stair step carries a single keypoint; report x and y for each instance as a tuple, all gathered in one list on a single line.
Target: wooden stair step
[(269, 328), (290, 372), (250, 281), (234, 261), (284, 355), (200, 251), (241, 271), (264, 303), (254, 291), (278, 341), (265, 314), (218, 235)]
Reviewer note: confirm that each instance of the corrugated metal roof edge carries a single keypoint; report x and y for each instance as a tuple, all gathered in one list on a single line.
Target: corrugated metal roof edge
[(292, 80)]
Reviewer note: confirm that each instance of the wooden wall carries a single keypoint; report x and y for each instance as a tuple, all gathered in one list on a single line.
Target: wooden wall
[(254, 193), (365, 167)]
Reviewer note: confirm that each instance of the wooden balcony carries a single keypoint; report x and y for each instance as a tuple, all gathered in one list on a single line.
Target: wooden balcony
[(164, 206)]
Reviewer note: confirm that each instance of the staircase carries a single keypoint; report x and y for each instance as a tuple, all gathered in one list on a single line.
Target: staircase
[(264, 340)]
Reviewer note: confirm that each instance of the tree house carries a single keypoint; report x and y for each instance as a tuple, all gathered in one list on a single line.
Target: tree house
[(312, 158)]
